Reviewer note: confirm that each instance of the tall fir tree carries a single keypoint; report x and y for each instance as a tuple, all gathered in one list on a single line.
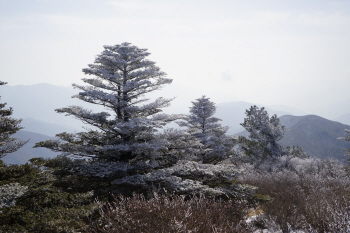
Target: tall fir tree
[(8, 126), (129, 129), (202, 124)]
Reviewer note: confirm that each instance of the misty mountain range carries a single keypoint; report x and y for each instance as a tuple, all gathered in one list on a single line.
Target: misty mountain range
[(35, 104), (27, 151), (316, 135)]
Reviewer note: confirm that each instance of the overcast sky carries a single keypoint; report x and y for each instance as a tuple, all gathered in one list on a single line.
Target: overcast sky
[(293, 52)]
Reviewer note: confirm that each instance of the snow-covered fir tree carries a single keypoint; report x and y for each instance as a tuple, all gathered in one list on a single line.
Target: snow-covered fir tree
[(128, 130), (346, 138), (8, 126), (264, 133), (127, 144), (202, 124)]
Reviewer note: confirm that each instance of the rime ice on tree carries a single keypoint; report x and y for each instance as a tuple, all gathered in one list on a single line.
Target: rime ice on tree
[(264, 133), (122, 74), (126, 144), (8, 126), (205, 127)]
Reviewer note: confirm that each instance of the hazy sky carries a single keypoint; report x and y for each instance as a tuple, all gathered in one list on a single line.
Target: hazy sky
[(293, 52)]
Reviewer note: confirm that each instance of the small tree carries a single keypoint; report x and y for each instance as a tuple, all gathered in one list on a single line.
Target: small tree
[(347, 138), (8, 126), (264, 133), (202, 125)]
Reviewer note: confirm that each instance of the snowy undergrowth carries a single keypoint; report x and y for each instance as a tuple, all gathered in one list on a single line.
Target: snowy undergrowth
[(9, 193), (308, 194), (172, 213)]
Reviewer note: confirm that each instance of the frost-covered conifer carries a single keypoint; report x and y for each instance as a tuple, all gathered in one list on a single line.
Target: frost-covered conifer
[(8, 126), (347, 138), (264, 133), (126, 144), (204, 126), (128, 130)]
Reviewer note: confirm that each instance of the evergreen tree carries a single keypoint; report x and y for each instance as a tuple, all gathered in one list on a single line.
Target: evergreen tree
[(264, 133), (129, 129), (204, 126), (8, 126), (126, 144), (346, 138)]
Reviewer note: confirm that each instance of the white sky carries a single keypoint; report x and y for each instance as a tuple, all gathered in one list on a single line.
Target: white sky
[(294, 52)]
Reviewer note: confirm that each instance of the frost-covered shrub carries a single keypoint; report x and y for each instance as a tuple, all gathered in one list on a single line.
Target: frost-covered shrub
[(338, 217), (306, 192), (9, 193), (172, 213)]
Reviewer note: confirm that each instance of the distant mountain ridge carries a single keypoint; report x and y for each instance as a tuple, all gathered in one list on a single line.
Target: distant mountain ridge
[(46, 128), (35, 104), (38, 102), (232, 114), (315, 134), (27, 152)]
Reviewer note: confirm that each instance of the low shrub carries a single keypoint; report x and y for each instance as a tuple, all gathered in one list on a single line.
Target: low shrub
[(172, 213), (308, 194)]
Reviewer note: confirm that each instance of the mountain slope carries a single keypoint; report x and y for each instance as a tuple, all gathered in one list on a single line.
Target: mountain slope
[(39, 102), (45, 128), (345, 119), (27, 151), (316, 135), (233, 113)]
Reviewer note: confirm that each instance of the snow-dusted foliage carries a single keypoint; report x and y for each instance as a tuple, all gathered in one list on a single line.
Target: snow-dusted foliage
[(309, 194), (9, 193), (129, 129), (191, 177), (206, 128), (264, 133), (184, 177), (127, 144), (347, 138), (8, 126)]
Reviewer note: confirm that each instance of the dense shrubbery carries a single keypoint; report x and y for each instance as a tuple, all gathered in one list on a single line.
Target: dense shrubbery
[(172, 213), (44, 196), (45, 200), (309, 194)]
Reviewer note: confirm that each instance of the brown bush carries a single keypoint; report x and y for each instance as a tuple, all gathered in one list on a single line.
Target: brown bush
[(312, 195), (171, 213)]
